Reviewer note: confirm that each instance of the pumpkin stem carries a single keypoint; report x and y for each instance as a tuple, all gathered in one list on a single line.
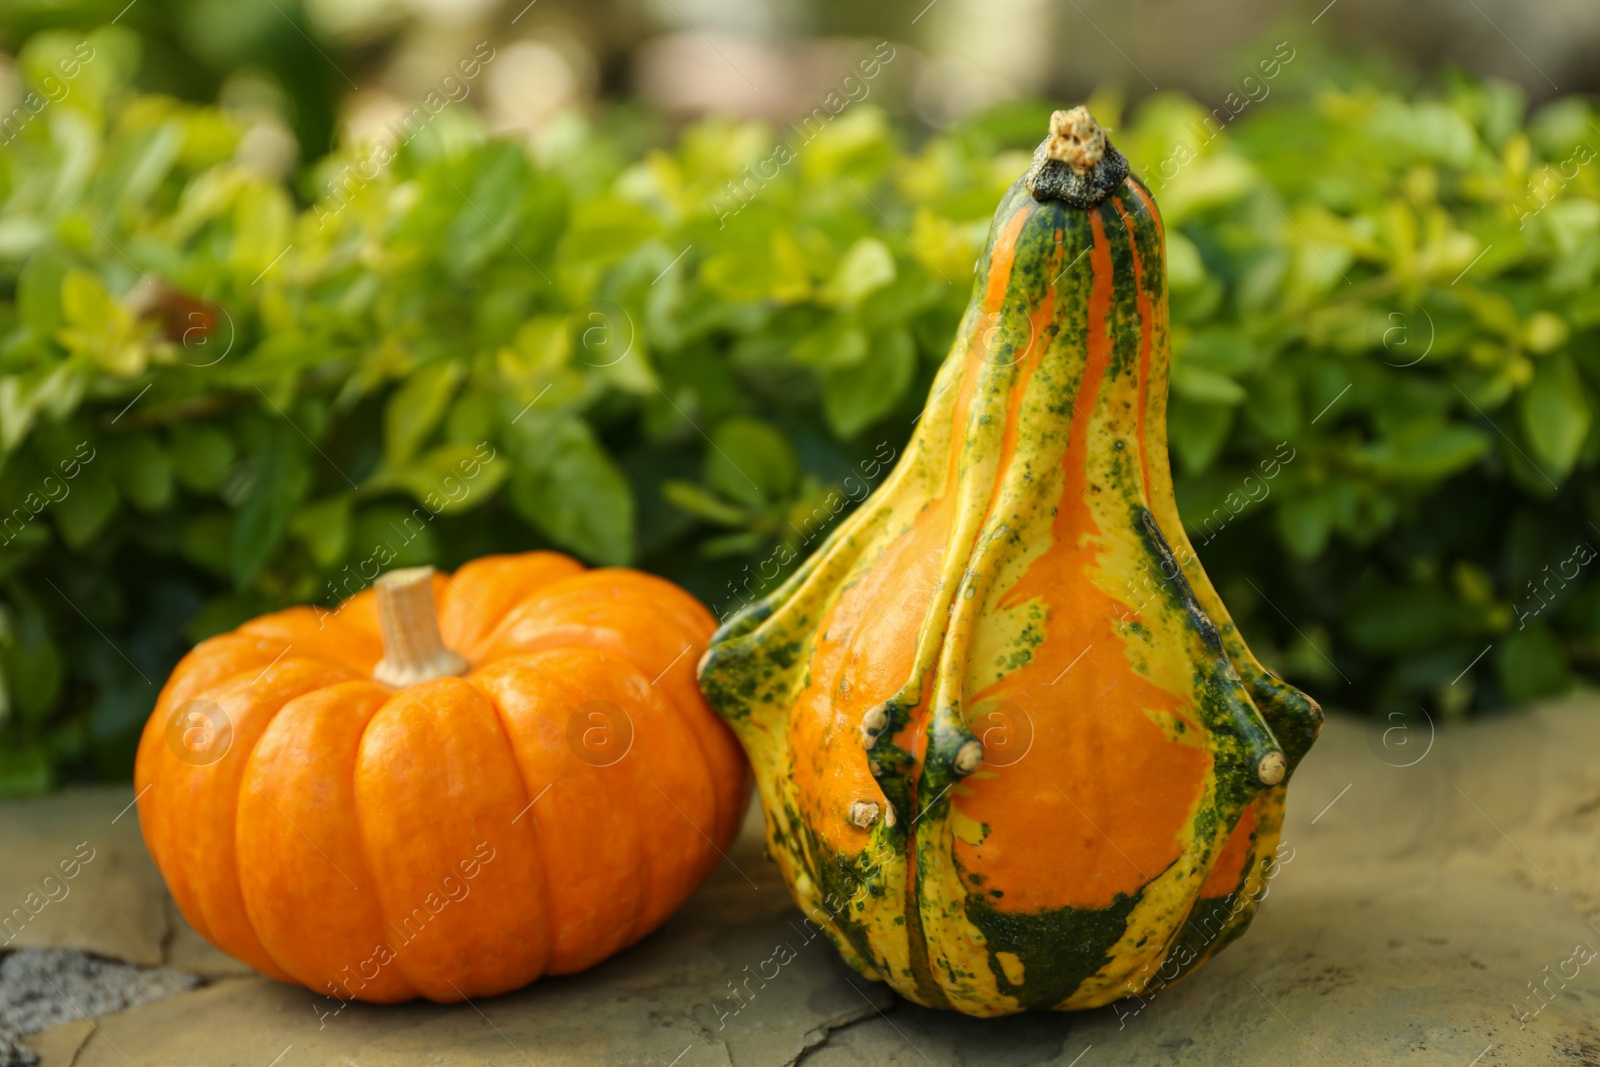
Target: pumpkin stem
[(1075, 162), (413, 651)]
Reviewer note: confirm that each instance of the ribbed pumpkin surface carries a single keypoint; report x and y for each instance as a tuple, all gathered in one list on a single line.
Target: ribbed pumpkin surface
[(455, 837)]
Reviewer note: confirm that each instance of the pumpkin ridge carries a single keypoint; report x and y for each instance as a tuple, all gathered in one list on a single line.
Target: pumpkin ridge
[(648, 920), (691, 625), (153, 751), (356, 953), (327, 637), (1180, 954), (543, 699), (762, 628), (208, 905), (474, 652), (485, 648), (358, 815), (724, 820), (1230, 721), (438, 947), (642, 924), (238, 873), (552, 921), (517, 570), (1220, 877)]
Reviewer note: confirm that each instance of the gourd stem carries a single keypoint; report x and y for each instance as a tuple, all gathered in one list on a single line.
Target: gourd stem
[(1075, 139), (1075, 163), (413, 650)]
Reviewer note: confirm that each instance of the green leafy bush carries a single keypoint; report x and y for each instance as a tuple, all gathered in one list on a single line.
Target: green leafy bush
[(218, 397)]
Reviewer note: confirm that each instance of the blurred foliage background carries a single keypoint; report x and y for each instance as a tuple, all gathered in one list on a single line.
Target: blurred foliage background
[(291, 294)]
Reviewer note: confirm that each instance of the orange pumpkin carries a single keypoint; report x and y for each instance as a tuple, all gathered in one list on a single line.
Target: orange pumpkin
[(447, 787)]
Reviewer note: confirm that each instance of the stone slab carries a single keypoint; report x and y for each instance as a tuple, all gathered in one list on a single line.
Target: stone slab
[(75, 874)]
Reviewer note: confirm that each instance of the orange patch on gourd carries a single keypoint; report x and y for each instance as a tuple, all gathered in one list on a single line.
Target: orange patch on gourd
[(865, 651), (1079, 785), (1229, 868)]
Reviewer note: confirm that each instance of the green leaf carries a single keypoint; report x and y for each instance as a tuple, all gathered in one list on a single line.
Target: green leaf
[(276, 362), (838, 342), (1555, 415), (1531, 664), (1429, 454), (227, 611), (732, 544), (1273, 403), (750, 461), (487, 198), (606, 228), (415, 409), (567, 487), (324, 528), (142, 471), (85, 304), (867, 266), (1406, 618), (33, 667), (207, 542), (456, 478), (1304, 523), (39, 291), (92, 500), (854, 397), (96, 324), (694, 500), (387, 537), (24, 771), (263, 216), (202, 457), (1205, 386), (1221, 351), (1197, 432), (280, 480), (472, 418), (1429, 131), (1185, 269), (17, 412)]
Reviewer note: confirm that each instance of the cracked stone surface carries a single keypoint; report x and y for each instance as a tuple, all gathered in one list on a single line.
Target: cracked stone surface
[(76, 865), (1442, 906), (40, 988)]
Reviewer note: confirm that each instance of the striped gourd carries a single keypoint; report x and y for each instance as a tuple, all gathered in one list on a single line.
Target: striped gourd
[(1012, 750)]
